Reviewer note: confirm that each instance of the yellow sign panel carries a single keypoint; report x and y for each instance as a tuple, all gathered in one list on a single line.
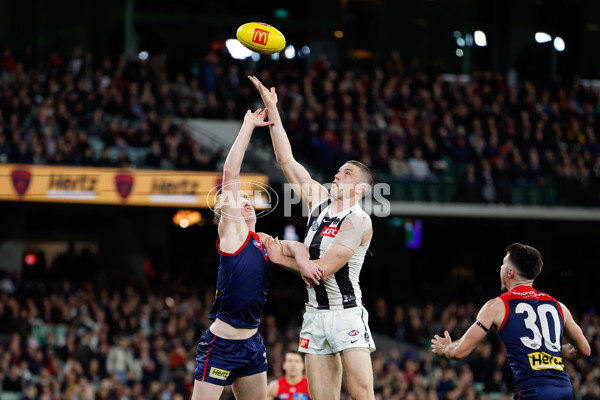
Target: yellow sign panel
[(116, 186)]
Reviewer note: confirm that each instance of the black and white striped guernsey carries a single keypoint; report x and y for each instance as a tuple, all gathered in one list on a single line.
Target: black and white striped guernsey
[(342, 289)]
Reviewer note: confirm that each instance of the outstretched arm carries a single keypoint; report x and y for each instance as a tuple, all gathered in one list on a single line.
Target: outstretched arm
[(489, 315), (578, 345), (231, 219), (310, 191), (294, 257)]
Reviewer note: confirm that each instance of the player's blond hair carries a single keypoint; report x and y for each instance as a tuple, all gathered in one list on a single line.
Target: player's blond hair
[(217, 209)]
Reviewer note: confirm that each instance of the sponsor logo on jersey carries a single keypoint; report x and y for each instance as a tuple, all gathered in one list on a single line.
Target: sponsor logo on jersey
[(330, 231), (353, 332), (304, 343), (217, 373), (314, 226), (530, 293), (260, 36), (541, 360)]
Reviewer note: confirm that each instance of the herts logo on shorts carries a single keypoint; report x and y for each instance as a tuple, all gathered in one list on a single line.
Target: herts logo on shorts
[(219, 373), (304, 343), (330, 231)]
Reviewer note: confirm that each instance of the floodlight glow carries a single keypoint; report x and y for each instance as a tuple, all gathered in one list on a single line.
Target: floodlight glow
[(143, 55), (289, 52), (460, 42), (255, 57), (237, 50), (457, 34), (275, 56), (480, 39), (559, 44), (542, 37), (306, 50), (459, 52)]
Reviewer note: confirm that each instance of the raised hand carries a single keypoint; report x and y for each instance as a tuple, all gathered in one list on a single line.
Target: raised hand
[(269, 97), (438, 343), (257, 118)]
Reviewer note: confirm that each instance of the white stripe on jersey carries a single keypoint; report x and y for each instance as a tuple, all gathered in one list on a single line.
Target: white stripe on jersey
[(342, 289)]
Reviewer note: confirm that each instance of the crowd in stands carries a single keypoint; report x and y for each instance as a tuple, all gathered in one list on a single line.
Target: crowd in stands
[(406, 122), (107, 336)]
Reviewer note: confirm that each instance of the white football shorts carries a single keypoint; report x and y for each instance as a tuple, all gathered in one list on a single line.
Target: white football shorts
[(334, 331)]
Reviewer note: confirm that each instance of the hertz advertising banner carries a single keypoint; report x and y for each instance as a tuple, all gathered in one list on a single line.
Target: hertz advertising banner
[(115, 186)]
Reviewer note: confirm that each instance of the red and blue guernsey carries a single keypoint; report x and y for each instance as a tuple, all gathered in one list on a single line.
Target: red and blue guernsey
[(242, 284), (532, 332), (298, 391)]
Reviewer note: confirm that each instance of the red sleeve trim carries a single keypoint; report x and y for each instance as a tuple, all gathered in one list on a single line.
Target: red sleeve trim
[(238, 250), (560, 310), (505, 313)]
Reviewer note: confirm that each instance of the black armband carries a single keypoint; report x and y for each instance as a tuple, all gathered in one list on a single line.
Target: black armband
[(481, 326)]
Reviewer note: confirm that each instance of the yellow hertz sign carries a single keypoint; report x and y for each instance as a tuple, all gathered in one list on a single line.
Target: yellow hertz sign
[(545, 361), (219, 373), (115, 186)]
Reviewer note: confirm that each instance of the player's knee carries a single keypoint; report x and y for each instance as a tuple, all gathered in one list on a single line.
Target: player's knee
[(360, 390)]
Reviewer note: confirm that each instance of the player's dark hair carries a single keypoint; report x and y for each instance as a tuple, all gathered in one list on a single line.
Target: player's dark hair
[(366, 176), (294, 352), (526, 259)]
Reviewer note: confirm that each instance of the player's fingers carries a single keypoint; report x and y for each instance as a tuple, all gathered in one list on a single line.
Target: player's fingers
[(447, 335), (306, 282)]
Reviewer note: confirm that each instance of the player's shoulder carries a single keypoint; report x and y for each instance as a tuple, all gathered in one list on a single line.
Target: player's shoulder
[(359, 218)]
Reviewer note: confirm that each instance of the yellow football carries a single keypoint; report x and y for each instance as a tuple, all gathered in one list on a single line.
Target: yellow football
[(261, 37)]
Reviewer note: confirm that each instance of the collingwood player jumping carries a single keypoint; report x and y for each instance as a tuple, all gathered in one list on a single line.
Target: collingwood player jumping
[(335, 331)]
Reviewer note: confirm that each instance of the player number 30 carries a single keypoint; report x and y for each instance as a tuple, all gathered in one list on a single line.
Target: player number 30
[(530, 323)]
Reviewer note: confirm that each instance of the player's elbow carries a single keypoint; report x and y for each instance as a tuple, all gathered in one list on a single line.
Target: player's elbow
[(230, 172), (284, 160), (586, 351)]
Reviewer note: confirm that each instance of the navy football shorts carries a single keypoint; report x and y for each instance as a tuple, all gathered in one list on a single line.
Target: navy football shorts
[(545, 392), (221, 361)]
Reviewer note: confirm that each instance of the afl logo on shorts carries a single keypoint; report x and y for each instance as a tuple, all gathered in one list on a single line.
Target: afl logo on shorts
[(314, 226), (353, 332)]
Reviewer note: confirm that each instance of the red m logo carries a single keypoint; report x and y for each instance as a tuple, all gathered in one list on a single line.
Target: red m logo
[(260, 36)]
